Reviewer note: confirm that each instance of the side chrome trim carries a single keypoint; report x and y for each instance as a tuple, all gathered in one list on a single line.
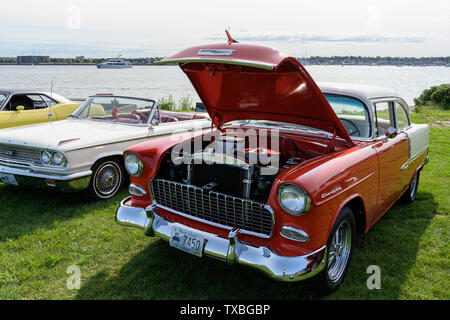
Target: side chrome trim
[(411, 160)]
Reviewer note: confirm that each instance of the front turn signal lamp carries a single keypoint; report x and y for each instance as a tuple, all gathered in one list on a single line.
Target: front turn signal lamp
[(294, 234)]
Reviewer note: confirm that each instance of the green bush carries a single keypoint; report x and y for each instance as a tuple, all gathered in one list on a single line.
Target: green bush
[(167, 103), (184, 104), (417, 109), (436, 96)]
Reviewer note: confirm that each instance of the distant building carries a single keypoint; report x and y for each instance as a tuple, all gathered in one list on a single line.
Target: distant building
[(80, 59), (32, 59)]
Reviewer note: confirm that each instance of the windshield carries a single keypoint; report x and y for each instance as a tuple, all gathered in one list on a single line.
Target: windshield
[(275, 124), (116, 109), (2, 98), (352, 113)]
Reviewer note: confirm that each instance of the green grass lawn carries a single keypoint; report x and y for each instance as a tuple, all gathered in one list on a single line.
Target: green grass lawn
[(42, 233)]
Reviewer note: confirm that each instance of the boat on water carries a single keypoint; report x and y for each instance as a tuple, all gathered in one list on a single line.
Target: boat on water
[(115, 63)]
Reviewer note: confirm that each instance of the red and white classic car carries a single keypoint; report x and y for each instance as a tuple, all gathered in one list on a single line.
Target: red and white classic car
[(290, 172)]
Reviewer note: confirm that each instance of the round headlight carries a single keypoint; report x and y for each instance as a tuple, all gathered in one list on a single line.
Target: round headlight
[(133, 164), (46, 157), (293, 199), (58, 158)]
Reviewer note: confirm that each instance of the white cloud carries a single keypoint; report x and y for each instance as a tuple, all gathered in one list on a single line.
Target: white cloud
[(383, 27)]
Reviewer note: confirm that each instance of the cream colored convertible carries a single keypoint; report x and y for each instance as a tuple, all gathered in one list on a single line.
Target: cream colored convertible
[(85, 151)]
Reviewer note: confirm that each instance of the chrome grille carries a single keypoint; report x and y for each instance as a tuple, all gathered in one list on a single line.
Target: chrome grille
[(214, 207), (21, 154)]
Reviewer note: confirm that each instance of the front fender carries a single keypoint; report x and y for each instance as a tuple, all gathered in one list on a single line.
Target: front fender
[(332, 181)]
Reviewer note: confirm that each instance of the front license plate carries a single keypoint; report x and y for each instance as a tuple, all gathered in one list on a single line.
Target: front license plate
[(8, 178), (186, 240)]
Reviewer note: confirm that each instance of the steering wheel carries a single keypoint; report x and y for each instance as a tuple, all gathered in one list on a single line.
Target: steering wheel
[(138, 116), (351, 128)]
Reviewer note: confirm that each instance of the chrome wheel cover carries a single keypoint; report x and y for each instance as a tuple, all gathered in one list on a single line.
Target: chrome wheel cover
[(107, 179), (413, 187), (339, 253)]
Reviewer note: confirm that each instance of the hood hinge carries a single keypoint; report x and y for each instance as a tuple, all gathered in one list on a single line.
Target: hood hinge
[(331, 146)]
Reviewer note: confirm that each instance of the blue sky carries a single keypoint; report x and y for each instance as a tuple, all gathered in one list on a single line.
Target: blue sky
[(137, 28)]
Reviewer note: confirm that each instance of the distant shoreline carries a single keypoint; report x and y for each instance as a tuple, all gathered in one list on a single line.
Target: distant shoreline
[(154, 65), (65, 64), (443, 61)]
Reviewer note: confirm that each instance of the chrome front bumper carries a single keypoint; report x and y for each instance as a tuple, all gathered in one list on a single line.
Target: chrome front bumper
[(65, 183), (231, 250)]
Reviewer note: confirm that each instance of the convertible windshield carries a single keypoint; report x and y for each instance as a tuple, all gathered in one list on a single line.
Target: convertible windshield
[(116, 109), (2, 98)]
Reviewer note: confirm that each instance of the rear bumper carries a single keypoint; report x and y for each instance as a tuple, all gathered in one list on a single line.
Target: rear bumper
[(65, 183), (231, 250)]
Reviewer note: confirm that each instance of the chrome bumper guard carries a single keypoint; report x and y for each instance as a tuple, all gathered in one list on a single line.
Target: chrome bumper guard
[(231, 250)]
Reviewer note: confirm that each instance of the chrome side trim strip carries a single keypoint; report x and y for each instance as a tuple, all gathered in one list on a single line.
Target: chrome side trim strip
[(411, 160)]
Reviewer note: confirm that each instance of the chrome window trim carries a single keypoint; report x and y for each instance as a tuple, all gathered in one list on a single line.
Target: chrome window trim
[(5, 102), (367, 104), (391, 99), (405, 107), (154, 107)]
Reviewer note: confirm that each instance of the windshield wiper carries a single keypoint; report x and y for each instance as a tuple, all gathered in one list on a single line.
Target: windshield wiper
[(73, 116)]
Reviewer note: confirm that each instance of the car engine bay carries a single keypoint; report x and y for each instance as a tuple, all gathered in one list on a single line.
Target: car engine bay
[(241, 165)]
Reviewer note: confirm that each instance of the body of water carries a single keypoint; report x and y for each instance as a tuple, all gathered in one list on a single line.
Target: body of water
[(161, 81)]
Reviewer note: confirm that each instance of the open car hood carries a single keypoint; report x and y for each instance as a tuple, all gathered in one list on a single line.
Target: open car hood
[(238, 81)]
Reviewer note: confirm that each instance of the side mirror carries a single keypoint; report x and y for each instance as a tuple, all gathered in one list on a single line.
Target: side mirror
[(154, 123), (20, 108), (391, 133)]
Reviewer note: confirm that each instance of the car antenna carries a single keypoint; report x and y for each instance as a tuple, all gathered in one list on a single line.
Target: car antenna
[(49, 113)]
